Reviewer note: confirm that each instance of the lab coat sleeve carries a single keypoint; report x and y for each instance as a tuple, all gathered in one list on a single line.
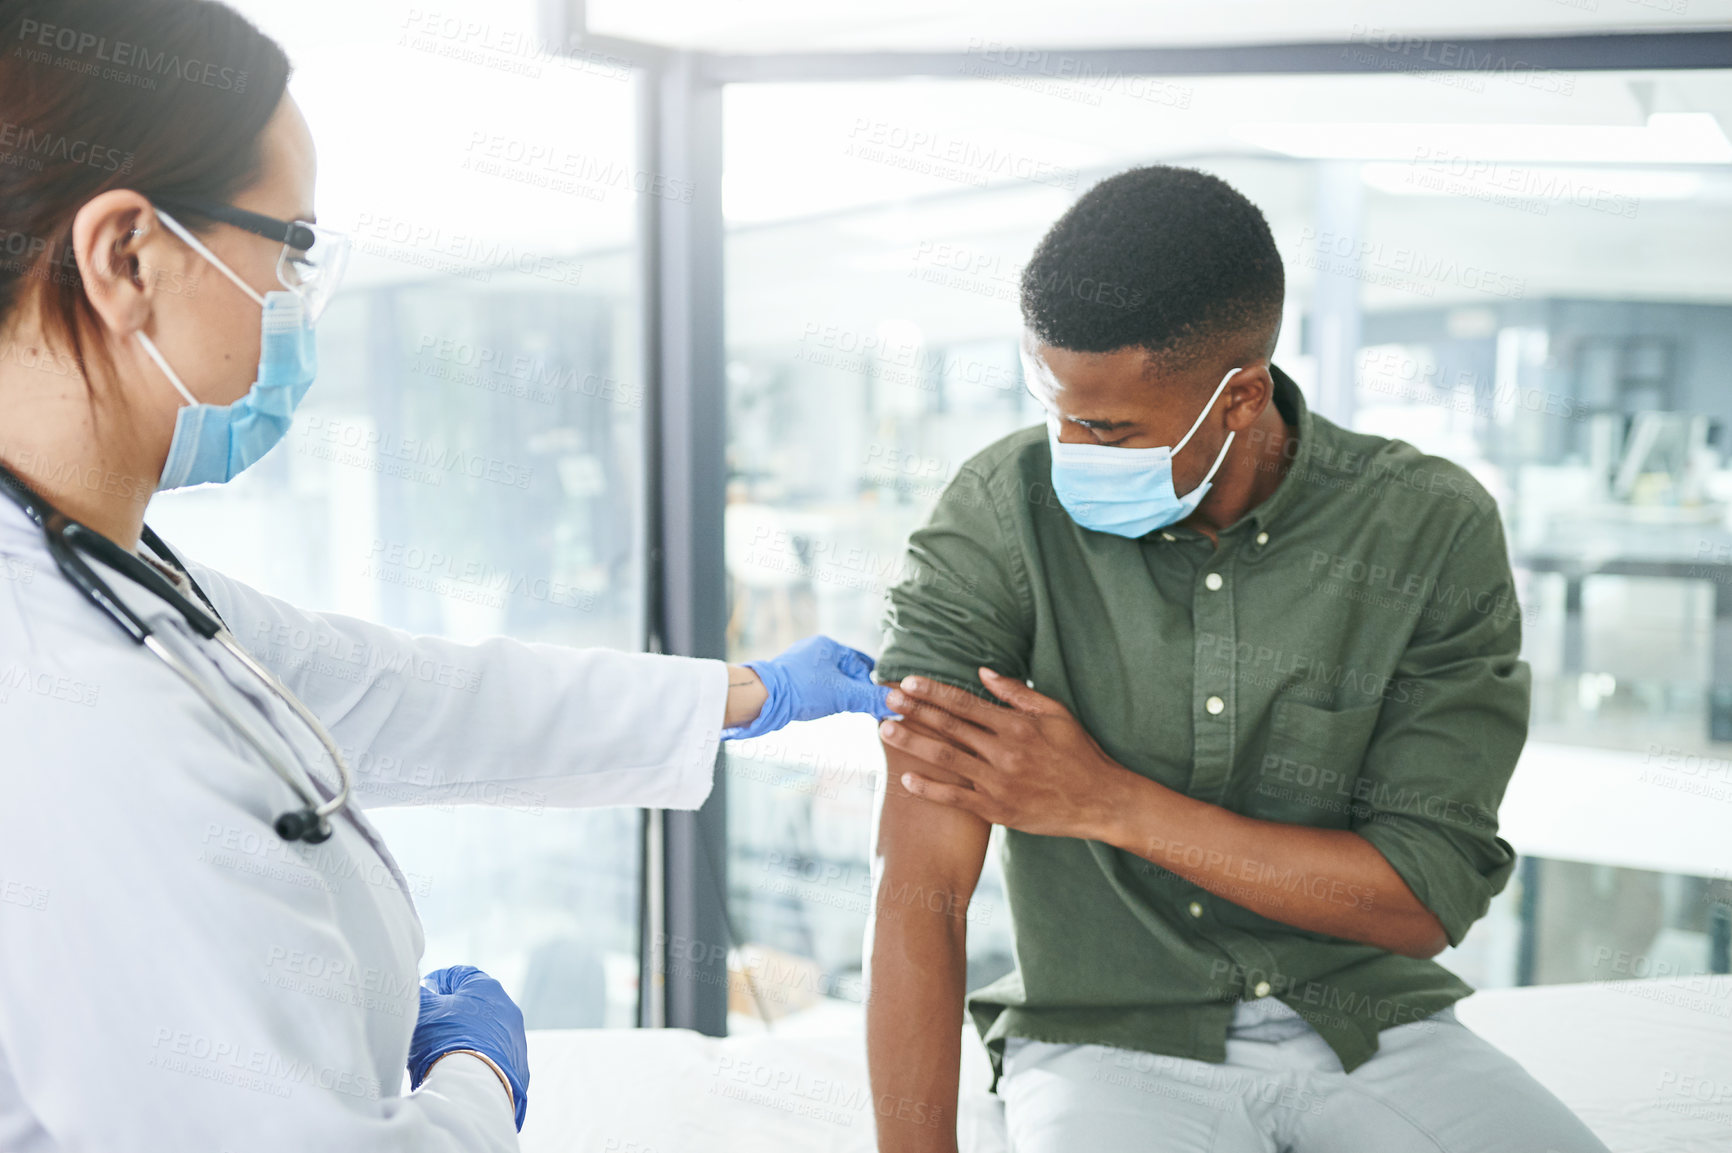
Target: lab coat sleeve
[(172, 990), (471, 1085), (424, 720)]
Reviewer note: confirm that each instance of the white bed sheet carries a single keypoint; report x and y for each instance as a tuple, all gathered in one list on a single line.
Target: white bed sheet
[(1647, 1064)]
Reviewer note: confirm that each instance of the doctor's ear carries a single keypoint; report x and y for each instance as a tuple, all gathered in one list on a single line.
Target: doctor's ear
[(117, 242)]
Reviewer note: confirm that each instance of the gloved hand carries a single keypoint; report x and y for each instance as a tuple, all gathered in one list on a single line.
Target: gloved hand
[(813, 678), (464, 1008)]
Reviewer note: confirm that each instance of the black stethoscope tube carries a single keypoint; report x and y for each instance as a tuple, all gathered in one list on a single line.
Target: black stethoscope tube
[(69, 542)]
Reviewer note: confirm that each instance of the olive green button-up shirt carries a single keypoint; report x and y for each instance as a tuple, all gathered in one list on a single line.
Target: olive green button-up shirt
[(1345, 658)]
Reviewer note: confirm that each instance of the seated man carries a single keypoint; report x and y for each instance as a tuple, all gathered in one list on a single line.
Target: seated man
[(1253, 788)]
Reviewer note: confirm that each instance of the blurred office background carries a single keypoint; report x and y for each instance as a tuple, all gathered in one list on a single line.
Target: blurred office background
[(1526, 270)]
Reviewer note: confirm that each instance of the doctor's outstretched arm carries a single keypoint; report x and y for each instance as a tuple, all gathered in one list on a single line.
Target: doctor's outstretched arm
[(424, 720)]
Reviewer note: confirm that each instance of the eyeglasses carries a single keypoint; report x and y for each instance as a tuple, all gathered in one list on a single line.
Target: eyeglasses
[(313, 258)]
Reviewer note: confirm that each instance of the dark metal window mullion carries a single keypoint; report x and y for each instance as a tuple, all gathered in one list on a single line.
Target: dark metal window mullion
[(681, 239)]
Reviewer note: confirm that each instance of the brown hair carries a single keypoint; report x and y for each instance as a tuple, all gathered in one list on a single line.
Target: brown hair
[(167, 97)]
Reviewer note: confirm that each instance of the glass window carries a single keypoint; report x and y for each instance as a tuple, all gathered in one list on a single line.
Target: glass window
[(1526, 272), (470, 461)]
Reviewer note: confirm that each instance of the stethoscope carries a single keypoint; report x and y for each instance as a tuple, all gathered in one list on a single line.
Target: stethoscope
[(70, 542)]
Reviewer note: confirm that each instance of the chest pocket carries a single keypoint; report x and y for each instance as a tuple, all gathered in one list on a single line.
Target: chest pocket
[(1309, 770)]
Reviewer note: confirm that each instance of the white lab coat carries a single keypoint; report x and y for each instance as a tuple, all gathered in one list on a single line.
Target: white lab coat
[(175, 978)]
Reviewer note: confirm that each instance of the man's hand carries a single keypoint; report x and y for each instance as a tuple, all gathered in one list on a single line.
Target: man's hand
[(1030, 766)]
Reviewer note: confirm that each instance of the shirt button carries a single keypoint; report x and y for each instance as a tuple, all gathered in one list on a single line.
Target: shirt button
[(1261, 989), (1212, 581), (1214, 705), (1262, 538), (1196, 908)]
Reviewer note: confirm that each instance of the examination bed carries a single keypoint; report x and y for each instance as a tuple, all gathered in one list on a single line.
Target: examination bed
[(1647, 1064)]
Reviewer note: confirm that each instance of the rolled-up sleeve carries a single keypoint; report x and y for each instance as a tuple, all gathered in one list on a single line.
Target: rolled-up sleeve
[(963, 600), (1453, 723)]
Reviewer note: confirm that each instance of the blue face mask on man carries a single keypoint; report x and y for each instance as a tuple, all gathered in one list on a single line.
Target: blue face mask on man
[(212, 443), (1127, 491)]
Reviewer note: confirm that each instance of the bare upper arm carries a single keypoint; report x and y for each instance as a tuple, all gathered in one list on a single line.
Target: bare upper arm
[(924, 842)]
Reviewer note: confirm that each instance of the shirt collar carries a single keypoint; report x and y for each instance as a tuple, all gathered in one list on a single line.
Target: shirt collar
[(1290, 402)]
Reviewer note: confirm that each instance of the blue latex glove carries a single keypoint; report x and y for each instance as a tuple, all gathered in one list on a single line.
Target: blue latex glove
[(464, 1008), (814, 678)]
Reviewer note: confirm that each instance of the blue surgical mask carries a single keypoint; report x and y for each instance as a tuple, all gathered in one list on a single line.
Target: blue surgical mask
[(1127, 491), (212, 443)]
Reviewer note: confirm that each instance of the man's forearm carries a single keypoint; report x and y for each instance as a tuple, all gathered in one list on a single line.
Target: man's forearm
[(1324, 880), (918, 970)]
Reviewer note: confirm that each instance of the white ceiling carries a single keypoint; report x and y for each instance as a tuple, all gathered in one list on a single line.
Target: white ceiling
[(831, 234), (404, 101), (797, 150), (913, 25)]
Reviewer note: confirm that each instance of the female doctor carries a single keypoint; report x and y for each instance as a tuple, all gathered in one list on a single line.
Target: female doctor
[(204, 945)]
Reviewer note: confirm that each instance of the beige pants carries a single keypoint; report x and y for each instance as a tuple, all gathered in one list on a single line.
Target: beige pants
[(1434, 1086)]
